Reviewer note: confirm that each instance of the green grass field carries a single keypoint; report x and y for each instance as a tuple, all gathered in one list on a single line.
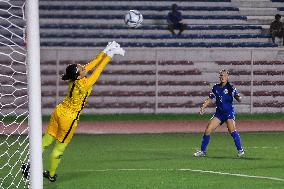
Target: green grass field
[(157, 161), (165, 161)]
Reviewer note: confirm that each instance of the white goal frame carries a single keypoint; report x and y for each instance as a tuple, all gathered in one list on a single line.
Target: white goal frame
[(34, 93)]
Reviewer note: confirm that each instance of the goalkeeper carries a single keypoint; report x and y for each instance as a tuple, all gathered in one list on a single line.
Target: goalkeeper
[(65, 116)]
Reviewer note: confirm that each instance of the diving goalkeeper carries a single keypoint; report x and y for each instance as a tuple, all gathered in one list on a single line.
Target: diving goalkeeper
[(65, 116)]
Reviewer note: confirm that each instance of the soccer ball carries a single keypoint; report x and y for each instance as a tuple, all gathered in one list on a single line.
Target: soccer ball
[(133, 19)]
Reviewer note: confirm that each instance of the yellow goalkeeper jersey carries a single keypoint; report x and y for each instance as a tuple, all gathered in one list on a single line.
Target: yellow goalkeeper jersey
[(80, 90), (77, 95)]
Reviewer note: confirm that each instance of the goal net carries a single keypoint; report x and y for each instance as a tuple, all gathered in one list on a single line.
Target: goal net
[(14, 140)]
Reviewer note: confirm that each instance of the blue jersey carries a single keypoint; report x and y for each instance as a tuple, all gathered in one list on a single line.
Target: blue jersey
[(224, 97)]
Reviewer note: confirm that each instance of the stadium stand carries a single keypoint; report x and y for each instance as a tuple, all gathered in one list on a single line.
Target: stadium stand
[(210, 23), (182, 85), (167, 85), (171, 84)]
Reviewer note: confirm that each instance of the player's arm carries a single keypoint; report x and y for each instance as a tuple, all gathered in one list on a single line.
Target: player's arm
[(271, 28), (112, 49), (179, 16), (238, 97), (206, 103), (101, 56), (97, 72), (94, 62)]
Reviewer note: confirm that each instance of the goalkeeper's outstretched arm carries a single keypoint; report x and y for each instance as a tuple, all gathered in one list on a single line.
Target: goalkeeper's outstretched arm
[(94, 62), (104, 57)]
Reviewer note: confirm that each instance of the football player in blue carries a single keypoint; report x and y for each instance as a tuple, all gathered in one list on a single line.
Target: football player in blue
[(223, 93)]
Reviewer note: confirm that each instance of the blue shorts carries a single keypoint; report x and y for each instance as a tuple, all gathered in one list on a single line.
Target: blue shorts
[(224, 116)]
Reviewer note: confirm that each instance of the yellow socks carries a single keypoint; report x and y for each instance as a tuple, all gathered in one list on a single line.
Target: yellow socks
[(55, 157), (56, 153)]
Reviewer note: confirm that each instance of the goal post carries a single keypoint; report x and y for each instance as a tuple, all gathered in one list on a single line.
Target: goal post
[(20, 95), (34, 93)]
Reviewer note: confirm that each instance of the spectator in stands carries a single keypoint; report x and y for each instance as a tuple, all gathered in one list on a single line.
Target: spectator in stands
[(174, 19), (277, 28)]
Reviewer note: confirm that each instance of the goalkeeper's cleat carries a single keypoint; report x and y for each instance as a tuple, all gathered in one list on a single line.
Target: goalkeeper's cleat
[(241, 153), (26, 170), (50, 178), (199, 153)]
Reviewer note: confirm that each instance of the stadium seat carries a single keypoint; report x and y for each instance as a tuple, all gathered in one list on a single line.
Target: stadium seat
[(179, 72), (212, 24), (46, 82), (50, 62), (181, 62), (221, 23), (271, 104), (187, 83), (129, 72)]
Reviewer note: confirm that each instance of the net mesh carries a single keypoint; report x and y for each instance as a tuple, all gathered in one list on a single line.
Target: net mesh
[(14, 144)]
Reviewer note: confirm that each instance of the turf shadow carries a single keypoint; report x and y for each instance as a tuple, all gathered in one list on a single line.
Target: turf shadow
[(50, 185), (135, 159), (67, 176), (236, 158)]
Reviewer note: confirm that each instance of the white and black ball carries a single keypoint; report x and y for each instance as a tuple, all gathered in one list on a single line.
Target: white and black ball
[(133, 19)]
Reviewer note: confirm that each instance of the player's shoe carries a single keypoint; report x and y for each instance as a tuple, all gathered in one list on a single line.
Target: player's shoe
[(199, 153), (241, 153), (26, 170), (50, 178), (114, 48)]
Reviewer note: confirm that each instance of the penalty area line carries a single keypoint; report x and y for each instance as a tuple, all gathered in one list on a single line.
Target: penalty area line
[(233, 174), (189, 170)]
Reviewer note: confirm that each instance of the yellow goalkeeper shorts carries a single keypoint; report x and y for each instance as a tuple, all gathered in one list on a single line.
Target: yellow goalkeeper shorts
[(63, 123)]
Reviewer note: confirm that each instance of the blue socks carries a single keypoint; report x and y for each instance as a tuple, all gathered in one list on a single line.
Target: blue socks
[(235, 135), (205, 142), (237, 140)]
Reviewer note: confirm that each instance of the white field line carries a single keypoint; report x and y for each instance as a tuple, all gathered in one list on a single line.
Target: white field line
[(189, 170), (264, 147), (234, 174), (197, 148)]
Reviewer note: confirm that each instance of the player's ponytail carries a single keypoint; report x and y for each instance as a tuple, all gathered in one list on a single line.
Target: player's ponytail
[(71, 73), (64, 77)]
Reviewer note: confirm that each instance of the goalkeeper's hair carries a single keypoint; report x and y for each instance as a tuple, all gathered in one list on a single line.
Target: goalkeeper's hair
[(224, 70), (71, 73)]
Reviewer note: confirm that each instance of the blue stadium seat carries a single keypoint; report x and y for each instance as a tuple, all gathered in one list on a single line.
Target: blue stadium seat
[(141, 8), (198, 44), (183, 0), (147, 27), (230, 35), (153, 36), (82, 16)]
